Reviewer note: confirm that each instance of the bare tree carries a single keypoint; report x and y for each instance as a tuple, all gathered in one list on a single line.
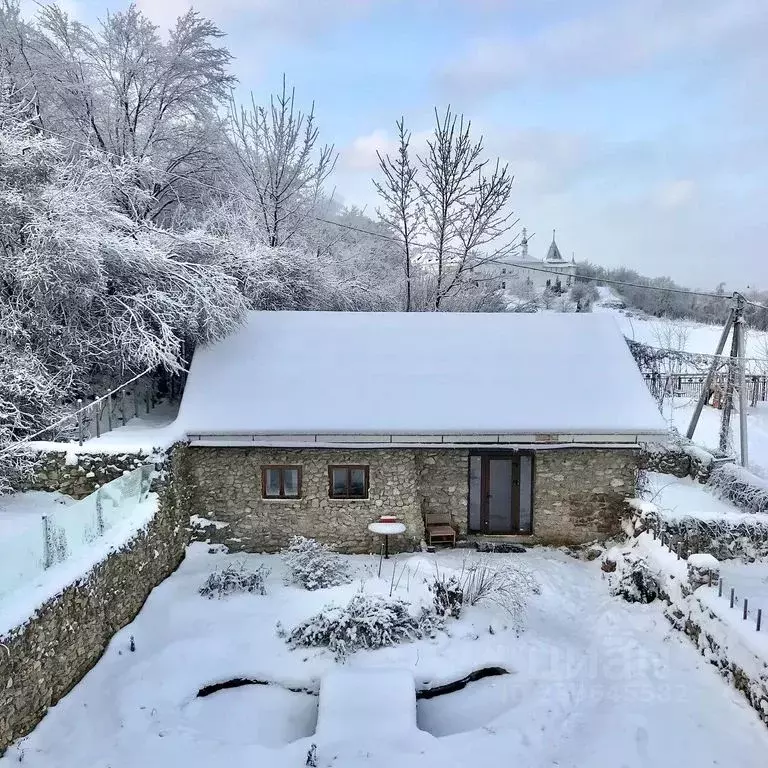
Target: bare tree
[(279, 158), (466, 208), (402, 210)]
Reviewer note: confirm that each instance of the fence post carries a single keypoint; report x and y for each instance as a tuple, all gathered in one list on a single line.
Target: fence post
[(79, 421), (135, 402), (97, 409), (99, 512), (122, 406), (47, 563), (109, 412), (720, 589), (148, 398), (759, 618), (733, 595), (744, 613)]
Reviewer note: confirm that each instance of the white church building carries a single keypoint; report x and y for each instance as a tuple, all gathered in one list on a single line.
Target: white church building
[(552, 271)]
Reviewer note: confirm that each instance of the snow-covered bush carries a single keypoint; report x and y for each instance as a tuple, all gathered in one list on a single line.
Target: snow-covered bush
[(447, 594), (366, 622), (636, 582), (314, 565), (740, 486), (234, 579)]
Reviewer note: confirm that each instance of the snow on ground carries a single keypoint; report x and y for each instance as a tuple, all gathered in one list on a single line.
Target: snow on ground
[(156, 430), (677, 497), (678, 411), (595, 682), (683, 497), (21, 512)]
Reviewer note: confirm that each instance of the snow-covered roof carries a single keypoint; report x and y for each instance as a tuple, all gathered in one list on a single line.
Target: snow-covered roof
[(418, 373), (426, 373), (553, 254)]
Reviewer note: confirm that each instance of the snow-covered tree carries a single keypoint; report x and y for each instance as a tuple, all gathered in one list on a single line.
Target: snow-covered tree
[(85, 289), (466, 206), (280, 166), (403, 212), (126, 91)]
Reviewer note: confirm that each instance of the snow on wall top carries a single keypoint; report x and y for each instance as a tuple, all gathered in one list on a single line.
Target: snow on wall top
[(418, 373)]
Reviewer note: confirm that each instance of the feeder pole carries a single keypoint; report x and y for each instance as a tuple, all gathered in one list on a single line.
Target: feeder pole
[(742, 372), (703, 397)]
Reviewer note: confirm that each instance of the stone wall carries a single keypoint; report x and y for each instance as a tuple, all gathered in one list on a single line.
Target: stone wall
[(443, 482), (226, 488), (681, 459), (579, 493), (42, 660), (78, 475)]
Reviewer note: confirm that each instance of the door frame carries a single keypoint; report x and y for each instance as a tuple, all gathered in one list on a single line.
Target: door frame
[(486, 454)]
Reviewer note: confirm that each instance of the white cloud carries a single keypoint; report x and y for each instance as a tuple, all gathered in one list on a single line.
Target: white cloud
[(675, 194), (360, 155), (71, 7), (289, 18), (620, 37)]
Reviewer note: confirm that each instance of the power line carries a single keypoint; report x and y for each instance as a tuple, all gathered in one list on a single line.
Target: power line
[(426, 246)]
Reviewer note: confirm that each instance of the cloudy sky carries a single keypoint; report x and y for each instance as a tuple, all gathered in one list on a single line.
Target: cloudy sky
[(637, 128)]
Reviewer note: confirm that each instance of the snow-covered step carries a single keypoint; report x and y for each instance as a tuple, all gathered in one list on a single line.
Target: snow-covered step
[(363, 706)]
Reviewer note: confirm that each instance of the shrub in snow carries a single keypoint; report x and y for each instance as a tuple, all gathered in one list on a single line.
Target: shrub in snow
[(508, 583), (637, 583), (315, 565), (235, 579), (505, 582), (366, 622), (741, 487), (447, 594)]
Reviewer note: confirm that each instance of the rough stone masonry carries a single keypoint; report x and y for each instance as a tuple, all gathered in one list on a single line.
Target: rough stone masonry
[(43, 659), (578, 495)]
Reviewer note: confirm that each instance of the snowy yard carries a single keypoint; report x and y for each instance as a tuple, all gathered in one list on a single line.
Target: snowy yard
[(677, 412), (592, 682)]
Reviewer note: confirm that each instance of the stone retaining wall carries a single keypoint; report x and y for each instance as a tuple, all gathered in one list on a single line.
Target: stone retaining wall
[(578, 495), (42, 660), (79, 475), (706, 630)]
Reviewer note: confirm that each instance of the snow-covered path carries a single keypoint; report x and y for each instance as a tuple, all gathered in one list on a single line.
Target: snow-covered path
[(595, 683)]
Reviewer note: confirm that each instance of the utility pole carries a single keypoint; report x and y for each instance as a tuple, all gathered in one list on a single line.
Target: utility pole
[(703, 397), (725, 421), (736, 379), (739, 332)]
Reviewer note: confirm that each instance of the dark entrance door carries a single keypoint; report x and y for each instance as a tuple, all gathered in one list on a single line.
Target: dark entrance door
[(501, 493)]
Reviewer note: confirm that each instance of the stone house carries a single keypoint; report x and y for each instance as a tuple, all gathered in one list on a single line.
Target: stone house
[(520, 426)]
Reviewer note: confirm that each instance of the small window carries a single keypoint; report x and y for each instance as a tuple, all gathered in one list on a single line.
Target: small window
[(348, 482), (281, 482)]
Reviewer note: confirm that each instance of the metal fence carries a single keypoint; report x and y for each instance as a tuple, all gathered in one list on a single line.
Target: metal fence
[(69, 531), (690, 385), (95, 415)]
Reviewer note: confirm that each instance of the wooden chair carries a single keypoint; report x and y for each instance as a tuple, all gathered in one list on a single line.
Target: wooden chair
[(439, 529)]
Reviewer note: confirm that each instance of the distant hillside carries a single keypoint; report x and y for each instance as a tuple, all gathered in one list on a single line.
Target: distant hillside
[(680, 333), (675, 305)]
